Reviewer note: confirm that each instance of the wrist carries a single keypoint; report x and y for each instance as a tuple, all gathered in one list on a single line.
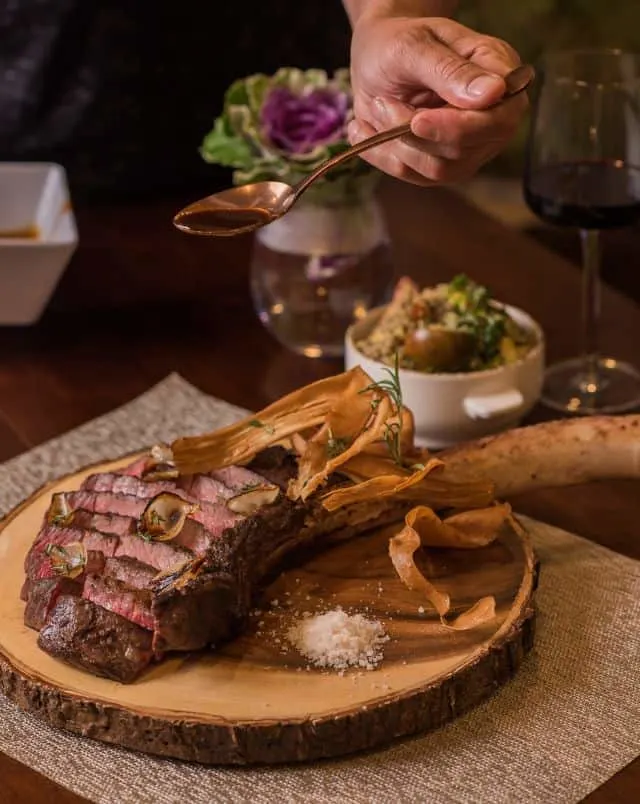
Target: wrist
[(360, 9)]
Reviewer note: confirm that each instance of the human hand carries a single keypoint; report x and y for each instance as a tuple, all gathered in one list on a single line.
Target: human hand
[(404, 68)]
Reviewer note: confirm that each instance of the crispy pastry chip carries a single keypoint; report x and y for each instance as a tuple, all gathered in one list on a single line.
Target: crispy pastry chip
[(407, 436), (466, 530), (375, 476), (358, 418), (480, 613), (236, 444), (402, 547)]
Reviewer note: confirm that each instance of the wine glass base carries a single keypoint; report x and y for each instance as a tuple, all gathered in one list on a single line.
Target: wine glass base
[(570, 387)]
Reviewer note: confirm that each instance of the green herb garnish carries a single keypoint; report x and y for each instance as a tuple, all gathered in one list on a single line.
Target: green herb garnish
[(478, 315), (391, 387), (258, 424)]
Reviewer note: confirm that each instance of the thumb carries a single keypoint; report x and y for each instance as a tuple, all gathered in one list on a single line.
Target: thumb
[(454, 78)]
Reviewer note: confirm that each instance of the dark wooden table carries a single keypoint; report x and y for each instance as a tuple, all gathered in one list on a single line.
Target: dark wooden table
[(141, 300)]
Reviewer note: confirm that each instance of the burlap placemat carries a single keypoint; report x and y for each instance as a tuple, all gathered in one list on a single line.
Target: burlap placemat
[(565, 724)]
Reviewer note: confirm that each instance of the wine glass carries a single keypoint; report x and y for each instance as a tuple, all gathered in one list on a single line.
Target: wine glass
[(583, 170)]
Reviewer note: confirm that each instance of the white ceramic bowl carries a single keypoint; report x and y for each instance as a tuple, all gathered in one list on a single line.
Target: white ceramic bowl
[(34, 196), (449, 408)]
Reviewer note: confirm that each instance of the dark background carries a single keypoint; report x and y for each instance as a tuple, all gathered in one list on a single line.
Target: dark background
[(122, 93)]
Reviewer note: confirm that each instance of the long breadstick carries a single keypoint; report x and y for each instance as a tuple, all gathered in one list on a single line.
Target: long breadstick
[(557, 453)]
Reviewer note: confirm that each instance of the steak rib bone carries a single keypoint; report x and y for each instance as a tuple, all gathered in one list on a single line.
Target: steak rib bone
[(555, 453)]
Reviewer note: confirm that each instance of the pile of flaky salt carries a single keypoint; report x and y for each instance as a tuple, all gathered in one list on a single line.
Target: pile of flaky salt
[(338, 640)]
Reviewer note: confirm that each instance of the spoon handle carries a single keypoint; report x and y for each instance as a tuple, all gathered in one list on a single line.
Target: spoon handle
[(517, 81), (354, 150)]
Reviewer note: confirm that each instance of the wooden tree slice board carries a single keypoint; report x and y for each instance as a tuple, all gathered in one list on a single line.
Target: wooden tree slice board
[(256, 700)]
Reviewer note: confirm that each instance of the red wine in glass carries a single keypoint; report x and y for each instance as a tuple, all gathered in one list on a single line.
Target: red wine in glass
[(586, 194), (583, 171)]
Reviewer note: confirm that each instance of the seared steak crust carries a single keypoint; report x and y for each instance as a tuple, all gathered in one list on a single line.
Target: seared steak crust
[(94, 639), (42, 597)]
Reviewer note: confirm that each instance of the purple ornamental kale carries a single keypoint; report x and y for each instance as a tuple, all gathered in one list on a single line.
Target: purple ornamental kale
[(298, 123)]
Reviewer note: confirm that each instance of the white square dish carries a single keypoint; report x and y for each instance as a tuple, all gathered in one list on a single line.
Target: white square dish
[(38, 237)]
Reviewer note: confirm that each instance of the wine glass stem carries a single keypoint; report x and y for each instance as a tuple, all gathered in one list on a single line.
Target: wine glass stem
[(590, 239)]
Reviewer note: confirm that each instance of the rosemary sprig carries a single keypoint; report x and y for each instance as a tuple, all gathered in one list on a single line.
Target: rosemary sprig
[(391, 386)]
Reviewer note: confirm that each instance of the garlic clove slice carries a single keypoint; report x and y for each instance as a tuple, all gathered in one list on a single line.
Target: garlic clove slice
[(249, 500), (160, 471), (67, 559), (164, 517), (160, 465), (60, 512)]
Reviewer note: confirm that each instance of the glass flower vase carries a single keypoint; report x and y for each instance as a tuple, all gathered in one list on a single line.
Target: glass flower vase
[(319, 268)]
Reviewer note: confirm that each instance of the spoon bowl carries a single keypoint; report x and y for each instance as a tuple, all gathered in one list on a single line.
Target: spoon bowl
[(250, 206), (237, 210)]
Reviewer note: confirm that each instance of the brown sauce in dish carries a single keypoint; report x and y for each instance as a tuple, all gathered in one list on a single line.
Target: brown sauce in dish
[(224, 221), (26, 233)]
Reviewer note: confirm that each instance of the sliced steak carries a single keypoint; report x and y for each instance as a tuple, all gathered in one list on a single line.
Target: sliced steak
[(133, 572), (161, 555), (185, 594), (37, 563), (193, 536), (204, 488), (43, 595), (95, 639), (110, 593), (126, 484), (237, 478), (120, 504), (136, 468), (107, 523), (214, 517)]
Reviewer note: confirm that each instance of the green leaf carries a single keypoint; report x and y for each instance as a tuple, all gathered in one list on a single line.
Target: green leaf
[(240, 119), (317, 79), (257, 87), (219, 147), (237, 94)]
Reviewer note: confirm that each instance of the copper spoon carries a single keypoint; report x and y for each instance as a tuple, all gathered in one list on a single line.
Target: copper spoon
[(242, 209)]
